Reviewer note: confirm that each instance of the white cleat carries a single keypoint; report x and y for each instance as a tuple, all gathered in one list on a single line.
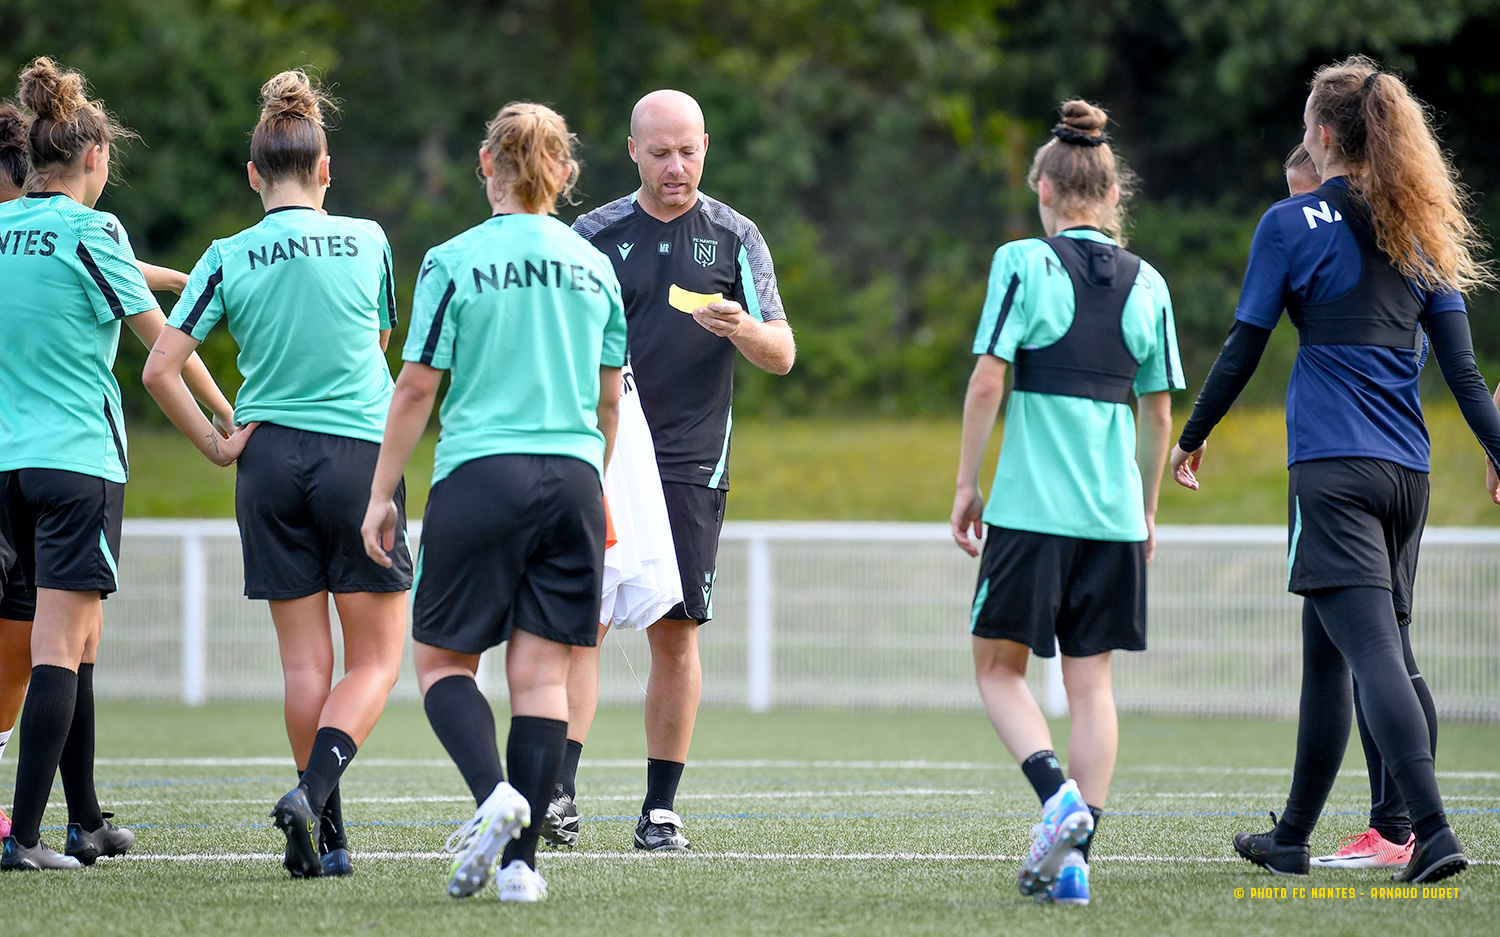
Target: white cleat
[(520, 882), (477, 844)]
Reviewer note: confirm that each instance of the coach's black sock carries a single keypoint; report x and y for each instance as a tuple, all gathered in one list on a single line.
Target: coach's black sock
[(567, 779), (463, 721), (45, 721), (662, 778), (1097, 813), (332, 751), (1044, 772), (533, 754), (76, 765)]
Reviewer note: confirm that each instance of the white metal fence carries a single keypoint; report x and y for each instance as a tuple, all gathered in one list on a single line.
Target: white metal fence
[(853, 614)]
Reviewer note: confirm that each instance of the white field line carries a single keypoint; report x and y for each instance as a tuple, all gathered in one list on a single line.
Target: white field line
[(751, 764), (751, 856)]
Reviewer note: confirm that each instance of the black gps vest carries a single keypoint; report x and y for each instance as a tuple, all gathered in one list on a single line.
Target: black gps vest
[(1381, 309), (1091, 359)]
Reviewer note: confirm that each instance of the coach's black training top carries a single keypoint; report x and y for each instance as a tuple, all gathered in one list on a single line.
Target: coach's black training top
[(685, 373)]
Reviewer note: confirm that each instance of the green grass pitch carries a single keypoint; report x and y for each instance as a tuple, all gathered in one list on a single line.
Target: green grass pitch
[(803, 822)]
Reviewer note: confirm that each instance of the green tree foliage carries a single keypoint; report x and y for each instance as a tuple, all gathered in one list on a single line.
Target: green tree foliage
[(881, 145)]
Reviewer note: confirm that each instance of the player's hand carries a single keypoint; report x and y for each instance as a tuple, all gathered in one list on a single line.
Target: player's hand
[(226, 451), (968, 511), (1150, 537), (1491, 481), (224, 426), (723, 318), (379, 530), (1185, 466)]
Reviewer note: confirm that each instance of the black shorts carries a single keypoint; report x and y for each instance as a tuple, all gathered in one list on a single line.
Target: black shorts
[(1089, 594), (1355, 522), (300, 498), (696, 514), (58, 530), (511, 541)]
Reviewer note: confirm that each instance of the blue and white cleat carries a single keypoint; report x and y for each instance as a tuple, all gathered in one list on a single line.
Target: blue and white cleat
[(476, 845), (1072, 885), (1066, 823)]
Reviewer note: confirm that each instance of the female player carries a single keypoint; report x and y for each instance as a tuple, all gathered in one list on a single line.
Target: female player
[(1084, 324), (70, 278), (528, 318), (15, 637), (310, 300), (1364, 264)]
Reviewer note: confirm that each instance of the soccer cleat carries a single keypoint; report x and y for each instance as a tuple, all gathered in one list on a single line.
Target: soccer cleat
[(1276, 858), (4, 824), (1066, 823), (520, 882), (41, 856), (477, 844), (335, 863), (561, 826), (1072, 885), (661, 831), (107, 840), (1368, 850), (294, 816), (1434, 859)]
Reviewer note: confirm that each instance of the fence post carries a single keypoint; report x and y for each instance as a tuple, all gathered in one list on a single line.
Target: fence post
[(194, 620), (1054, 693), (759, 637)]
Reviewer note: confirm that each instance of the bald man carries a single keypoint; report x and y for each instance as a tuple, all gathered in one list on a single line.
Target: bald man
[(699, 287)]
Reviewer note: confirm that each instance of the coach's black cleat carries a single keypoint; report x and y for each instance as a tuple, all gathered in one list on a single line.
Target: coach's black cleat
[(660, 831), (294, 816), (561, 826), (16, 857), (107, 840), (1276, 858), (1434, 859), (336, 864)]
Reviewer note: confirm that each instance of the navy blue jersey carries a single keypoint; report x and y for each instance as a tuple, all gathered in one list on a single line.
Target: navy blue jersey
[(1343, 401)]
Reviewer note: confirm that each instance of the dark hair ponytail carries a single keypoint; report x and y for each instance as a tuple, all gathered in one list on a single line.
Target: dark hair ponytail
[(290, 137)]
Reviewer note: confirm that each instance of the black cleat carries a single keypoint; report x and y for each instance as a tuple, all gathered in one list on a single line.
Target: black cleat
[(1434, 859), (41, 856), (661, 831), (561, 826), (294, 816), (336, 864), (108, 840), (1276, 858)]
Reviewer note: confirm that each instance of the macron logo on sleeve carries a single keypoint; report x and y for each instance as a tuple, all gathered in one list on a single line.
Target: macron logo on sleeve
[(113, 231), (1321, 213)]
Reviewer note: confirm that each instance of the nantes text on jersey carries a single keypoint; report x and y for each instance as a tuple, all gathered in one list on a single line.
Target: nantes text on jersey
[(684, 372)]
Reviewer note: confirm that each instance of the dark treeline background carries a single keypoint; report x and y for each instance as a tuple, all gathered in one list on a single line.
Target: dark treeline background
[(881, 145)]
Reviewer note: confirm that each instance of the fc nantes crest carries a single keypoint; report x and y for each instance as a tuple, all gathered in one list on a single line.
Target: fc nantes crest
[(705, 251)]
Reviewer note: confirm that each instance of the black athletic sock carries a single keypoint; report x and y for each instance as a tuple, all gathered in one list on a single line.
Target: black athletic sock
[(463, 721), (1098, 813), (76, 764), (332, 751), (45, 722), (331, 832), (1323, 718), (1044, 772), (534, 755), (567, 779), (662, 778)]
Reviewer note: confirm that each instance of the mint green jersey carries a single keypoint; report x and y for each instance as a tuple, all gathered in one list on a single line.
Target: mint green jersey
[(523, 312), (1067, 464), (306, 296), (69, 277)]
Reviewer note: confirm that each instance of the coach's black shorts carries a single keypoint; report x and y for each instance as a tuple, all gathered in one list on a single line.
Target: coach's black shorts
[(1355, 522), (58, 530), (1089, 594), (511, 541), (300, 498), (696, 514)]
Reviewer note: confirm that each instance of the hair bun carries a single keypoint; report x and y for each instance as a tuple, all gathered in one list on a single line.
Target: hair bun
[(292, 95), (1084, 117), (52, 92)]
